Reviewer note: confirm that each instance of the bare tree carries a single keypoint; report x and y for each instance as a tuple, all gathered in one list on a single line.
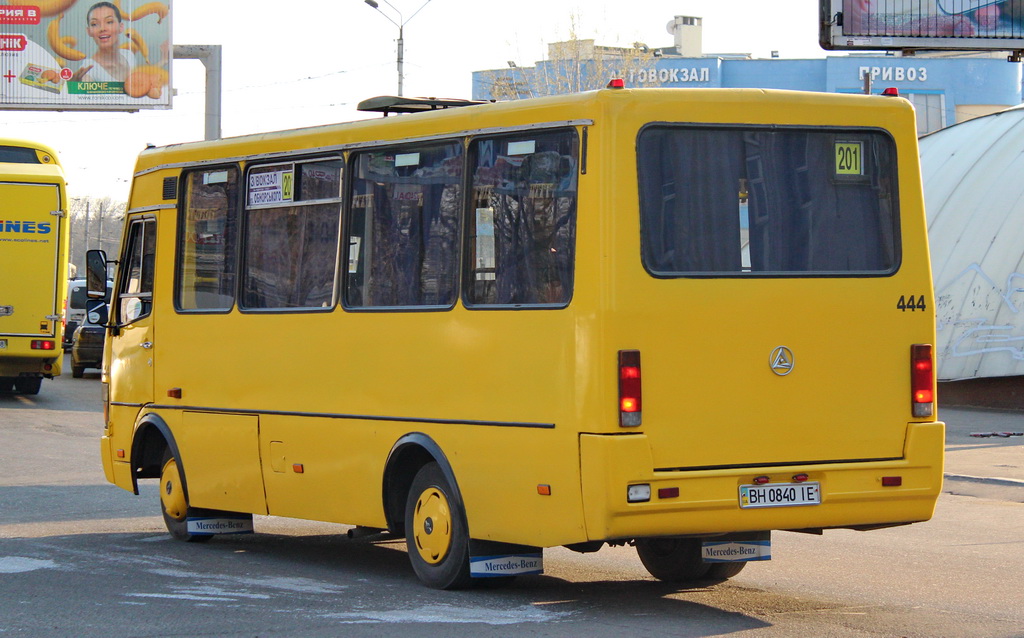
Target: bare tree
[(95, 224)]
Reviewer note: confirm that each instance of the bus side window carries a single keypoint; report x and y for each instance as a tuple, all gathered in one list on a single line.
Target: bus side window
[(522, 227), (207, 240), (403, 228), (290, 237), (135, 300)]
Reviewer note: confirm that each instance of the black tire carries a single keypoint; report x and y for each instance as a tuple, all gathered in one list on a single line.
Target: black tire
[(28, 385), (674, 560), (173, 504), (436, 533), (77, 372)]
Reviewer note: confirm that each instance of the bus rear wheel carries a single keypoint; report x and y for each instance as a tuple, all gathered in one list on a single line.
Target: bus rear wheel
[(174, 504), (435, 531), (674, 560), (28, 385)]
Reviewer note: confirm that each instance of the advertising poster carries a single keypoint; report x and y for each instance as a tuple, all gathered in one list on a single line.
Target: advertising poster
[(923, 24), (84, 54)]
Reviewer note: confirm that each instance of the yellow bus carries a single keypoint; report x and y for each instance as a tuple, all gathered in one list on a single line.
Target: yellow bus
[(33, 265), (676, 319)]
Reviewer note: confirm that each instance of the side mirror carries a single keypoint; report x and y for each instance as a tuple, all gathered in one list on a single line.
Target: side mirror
[(96, 274), (96, 312)]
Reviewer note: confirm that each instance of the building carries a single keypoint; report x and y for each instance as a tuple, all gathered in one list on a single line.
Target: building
[(945, 90)]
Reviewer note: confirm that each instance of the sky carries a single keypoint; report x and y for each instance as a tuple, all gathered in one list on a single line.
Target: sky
[(308, 62)]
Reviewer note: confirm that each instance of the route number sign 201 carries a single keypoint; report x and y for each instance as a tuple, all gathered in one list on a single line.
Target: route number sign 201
[(849, 158)]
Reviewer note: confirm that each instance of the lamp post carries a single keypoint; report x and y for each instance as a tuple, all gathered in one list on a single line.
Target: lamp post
[(401, 27)]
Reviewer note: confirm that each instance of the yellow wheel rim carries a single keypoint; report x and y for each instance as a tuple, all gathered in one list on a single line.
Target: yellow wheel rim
[(172, 496), (432, 526)]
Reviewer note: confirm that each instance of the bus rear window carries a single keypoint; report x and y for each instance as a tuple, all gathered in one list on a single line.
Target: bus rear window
[(771, 202)]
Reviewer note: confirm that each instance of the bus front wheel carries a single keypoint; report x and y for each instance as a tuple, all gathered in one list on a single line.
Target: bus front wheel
[(435, 531), (173, 503)]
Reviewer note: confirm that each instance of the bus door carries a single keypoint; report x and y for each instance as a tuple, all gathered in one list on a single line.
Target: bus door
[(133, 344)]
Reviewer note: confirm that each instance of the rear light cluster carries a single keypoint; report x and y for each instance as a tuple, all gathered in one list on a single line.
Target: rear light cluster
[(922, 380), (630, 396), (641, 493), (41, 344)]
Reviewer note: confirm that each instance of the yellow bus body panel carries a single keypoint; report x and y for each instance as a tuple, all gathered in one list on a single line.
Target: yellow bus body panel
[(306, 407)]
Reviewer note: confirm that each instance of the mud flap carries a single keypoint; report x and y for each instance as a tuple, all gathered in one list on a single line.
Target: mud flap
[(212, 523), (488, 559), (739, 547)]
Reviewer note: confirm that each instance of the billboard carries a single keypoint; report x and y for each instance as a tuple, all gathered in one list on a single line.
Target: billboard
[(964, 25), (84, 54)]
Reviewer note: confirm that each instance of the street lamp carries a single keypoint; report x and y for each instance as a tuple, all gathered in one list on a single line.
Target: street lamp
[(401, 26)]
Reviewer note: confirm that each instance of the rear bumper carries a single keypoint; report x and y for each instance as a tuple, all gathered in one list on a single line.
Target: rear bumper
[(45, 364), (852, 495)]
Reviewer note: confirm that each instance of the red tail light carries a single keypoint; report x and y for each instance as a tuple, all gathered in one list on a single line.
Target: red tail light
[(39, 344), (630, 396), (922, 380)]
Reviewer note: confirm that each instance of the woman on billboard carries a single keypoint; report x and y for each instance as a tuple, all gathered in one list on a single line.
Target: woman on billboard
[(110, 63)]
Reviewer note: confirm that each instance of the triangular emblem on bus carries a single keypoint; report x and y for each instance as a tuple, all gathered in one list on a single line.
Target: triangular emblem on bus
[(781, 361)]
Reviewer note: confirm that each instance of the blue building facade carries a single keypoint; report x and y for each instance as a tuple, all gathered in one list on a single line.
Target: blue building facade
[(945, 90)]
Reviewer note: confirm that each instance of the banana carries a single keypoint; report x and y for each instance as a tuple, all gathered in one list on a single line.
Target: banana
[(150, 8), (46, 7), (63, 47), (139, 45)]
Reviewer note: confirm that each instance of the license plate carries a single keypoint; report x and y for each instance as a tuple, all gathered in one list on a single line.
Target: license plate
[(3, 344), (780, 495)]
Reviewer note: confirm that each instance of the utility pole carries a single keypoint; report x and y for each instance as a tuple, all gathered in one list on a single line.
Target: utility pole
[(401, 32)]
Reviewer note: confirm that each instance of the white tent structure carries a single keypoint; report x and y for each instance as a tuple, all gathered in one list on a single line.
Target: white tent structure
[(974, 196)]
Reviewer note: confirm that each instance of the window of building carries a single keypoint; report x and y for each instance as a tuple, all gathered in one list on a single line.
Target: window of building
[(522, 224), (930, 109)]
